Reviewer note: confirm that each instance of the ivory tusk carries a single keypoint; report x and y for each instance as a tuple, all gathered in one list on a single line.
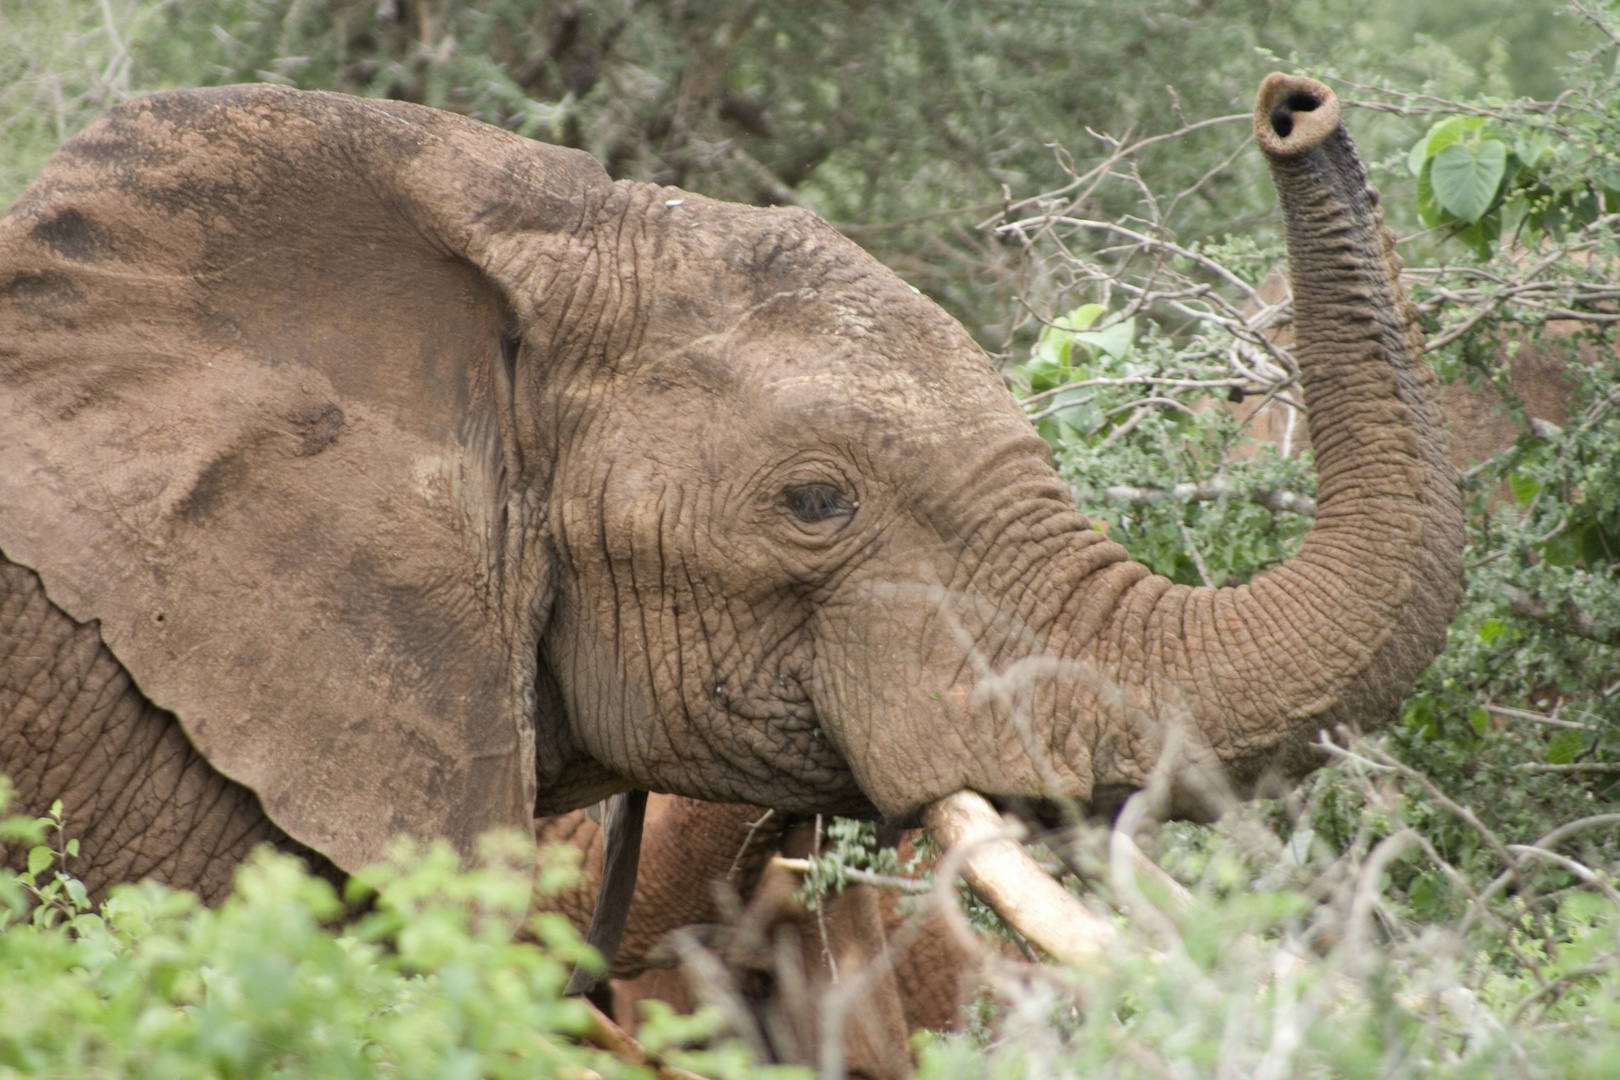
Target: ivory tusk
[(1004, 876)]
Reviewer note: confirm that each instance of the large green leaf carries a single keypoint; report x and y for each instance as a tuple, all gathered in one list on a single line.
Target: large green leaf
[(1465, 176), (1115, 341), (1443, 134)]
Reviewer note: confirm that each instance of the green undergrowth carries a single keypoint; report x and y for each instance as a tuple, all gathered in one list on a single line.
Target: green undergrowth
[(1297, 957), (420, 968)]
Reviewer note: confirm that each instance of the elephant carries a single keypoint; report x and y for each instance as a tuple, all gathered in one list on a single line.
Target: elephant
[(696, 854), (368, 470)]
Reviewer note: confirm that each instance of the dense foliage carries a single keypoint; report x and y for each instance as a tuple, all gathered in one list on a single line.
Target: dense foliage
[(1438, 901), (422, 969), (908, 124)]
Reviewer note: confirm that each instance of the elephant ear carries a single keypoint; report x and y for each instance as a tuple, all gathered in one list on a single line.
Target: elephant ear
[(257, 360)]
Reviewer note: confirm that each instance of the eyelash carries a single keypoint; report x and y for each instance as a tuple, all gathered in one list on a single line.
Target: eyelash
[(817, 502)]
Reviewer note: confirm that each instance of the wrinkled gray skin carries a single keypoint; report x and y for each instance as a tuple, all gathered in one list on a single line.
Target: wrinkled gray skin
[(427, 480)]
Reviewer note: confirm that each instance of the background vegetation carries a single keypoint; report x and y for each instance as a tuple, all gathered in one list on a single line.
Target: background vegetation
[(1073, 180)]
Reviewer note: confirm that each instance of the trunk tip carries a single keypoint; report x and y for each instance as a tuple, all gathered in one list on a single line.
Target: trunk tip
[(1293, 115)]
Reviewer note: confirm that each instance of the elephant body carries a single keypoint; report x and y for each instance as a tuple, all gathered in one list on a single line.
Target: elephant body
[(367, 470), (139, 797)]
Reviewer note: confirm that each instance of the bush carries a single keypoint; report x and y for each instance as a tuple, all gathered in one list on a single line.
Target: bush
[(423, 969)]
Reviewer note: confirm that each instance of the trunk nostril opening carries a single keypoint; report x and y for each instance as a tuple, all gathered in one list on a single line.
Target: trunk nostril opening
[(1282, 117)]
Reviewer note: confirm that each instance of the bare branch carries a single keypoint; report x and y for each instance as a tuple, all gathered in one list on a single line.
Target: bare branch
[(860, 877), (1217, 487), (1572, 767), (1538, 718)]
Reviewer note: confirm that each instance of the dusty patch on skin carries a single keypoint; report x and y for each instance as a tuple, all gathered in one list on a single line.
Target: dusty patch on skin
[(41, 292), (74, 236), (319, 426), (211, 488), (432, 478)]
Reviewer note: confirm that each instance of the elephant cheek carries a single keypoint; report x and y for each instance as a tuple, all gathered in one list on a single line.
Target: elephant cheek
[(609, 711), (911, 741)]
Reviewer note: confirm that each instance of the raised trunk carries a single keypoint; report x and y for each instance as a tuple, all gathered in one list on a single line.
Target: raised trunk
[(1338, 633), (1243, 679)]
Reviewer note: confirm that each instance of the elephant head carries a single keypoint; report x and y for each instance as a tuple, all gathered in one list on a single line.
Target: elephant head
[(432, 480)]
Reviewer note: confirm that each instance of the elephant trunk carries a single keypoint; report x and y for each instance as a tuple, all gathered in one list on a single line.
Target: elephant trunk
[(1235, 683), (1337, 634)]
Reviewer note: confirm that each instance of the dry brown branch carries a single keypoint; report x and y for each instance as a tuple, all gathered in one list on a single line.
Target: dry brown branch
[(859, 877), (1556, 836), (1144, 380), (615, 1040), (821, 909), (1514, 867), (1587, 875), (748, 840), (1537, 718), (1571, 768), (715, 988)]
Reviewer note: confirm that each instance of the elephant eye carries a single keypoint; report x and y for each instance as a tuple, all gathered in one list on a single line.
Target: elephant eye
[(816, 502)]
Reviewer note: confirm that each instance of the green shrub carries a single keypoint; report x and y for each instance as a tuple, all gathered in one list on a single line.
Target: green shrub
[(424, 969)]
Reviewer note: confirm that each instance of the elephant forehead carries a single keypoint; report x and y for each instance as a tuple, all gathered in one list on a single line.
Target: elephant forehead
[(841, 390)]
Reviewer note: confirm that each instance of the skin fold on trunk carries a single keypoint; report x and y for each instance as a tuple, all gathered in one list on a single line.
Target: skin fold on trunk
[(1236, 683)]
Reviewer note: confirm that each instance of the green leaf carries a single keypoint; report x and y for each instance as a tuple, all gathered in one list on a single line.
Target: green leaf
[(1433, 140), (1533, 148), (1441, 135), (1562, 550), (1052, 348), (1420, 715), (1082, 317), (21, 831), (1465, 176), (1115, 341), (40, 859), (1418, 156), (1430, 212), (1044, 373), (1482, 235), (1479, 720), (1563, 747), (1599, 547), (1299, 846), (1077, 408), (1524, 487), (1514, 210), (1425, 896), (1055, 340), (1490, 630)]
